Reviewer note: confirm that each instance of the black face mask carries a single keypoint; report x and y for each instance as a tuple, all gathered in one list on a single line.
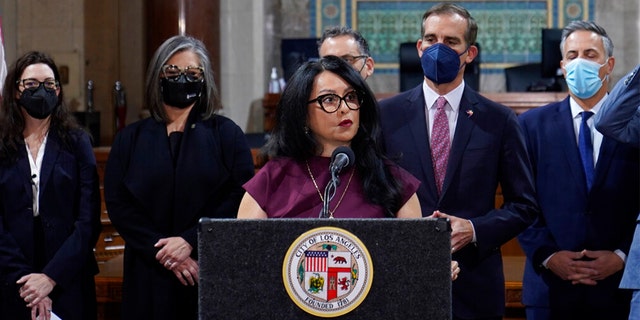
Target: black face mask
[(180, 93), (39, 103)]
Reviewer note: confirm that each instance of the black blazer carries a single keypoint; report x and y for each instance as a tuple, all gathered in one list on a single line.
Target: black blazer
[(487, 149), (148, 199), (70, 213)]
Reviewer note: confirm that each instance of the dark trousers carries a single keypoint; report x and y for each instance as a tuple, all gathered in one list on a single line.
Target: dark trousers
[(569, 313), (490, 318)]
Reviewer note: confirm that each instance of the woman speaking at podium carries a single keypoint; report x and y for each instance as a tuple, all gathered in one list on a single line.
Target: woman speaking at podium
[(327, 105)]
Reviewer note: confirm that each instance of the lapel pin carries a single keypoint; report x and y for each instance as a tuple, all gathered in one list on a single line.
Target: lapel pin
[(469, 113)]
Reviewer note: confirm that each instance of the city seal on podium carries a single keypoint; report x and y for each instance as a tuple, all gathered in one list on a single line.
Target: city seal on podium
[(327, 272)]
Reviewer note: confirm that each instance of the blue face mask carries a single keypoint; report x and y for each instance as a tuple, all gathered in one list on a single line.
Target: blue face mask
[(583, 77), (440, 63)]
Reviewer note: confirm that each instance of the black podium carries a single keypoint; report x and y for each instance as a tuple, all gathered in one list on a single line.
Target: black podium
[(324, 268)]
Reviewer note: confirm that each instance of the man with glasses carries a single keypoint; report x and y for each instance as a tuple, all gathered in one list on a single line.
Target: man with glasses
[(349, 45)]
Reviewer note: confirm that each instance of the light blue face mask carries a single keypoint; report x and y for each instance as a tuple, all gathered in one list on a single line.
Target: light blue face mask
[(583, 77)]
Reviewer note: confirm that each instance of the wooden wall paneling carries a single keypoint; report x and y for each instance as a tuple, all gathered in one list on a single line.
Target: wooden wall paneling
[(101, 59), (114, 52), (162, 17), (202, 21)]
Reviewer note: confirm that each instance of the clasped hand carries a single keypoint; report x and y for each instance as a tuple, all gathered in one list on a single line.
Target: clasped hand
[(571, 265), (174, 255), (35, 289)]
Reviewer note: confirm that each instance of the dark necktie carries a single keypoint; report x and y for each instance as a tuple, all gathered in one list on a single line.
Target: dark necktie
[(586, 148), (440, 142)]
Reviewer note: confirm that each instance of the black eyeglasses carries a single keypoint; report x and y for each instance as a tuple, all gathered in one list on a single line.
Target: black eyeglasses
[(33, 84), (191, 73), (330, 102), (352, 60)]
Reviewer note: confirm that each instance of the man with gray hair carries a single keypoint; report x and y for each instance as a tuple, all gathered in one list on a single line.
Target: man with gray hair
[(587, 187), (349, 45)]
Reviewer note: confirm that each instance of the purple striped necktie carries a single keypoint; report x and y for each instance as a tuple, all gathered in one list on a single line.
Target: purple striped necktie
[(440, 142)]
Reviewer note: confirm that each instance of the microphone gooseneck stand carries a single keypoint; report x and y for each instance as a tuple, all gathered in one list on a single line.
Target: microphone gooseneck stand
[(329, 192), (341, 158)]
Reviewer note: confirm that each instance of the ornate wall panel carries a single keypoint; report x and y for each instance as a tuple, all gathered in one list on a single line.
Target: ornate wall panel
[(509, 31)]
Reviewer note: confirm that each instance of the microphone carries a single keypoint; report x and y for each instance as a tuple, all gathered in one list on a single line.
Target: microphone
[(342, 157)]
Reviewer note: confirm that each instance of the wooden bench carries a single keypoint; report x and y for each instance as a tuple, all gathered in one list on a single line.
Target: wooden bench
[(110, 243), (512, 254), (513, 266), (518, 101), (108, 252), (523, 101), (109, 288), (513, 260)]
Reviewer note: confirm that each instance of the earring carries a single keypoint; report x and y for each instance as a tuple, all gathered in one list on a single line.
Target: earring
[(306, 130)]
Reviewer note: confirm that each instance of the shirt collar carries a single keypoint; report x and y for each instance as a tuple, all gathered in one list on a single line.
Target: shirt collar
[(576, 109), (453, 97)]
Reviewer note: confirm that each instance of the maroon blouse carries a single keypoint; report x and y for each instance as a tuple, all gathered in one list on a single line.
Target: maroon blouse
[(284, 189)]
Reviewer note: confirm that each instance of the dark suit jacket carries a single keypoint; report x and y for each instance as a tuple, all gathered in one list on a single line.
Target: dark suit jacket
[(573, 218), (70, 213), (488, 149), (619, 119), (147, 199)]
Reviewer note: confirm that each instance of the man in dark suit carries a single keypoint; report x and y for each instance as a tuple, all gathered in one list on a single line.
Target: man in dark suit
[(619, 119), (587, 188), (486, 149)]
